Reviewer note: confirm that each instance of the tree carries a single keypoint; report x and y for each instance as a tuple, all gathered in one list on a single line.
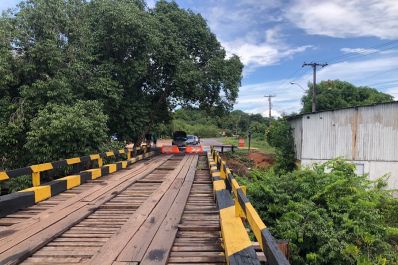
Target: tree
[(137, 63), (335, 94), (279, 135)]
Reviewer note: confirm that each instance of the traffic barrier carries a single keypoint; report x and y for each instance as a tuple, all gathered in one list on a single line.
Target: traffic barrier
[(237, 245), (194, 149), (35, 170), (13, 202), (170, 149), (244, 209)]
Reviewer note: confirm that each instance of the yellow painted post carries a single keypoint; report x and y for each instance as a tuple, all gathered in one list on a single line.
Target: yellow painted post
[(36, 179), (238, 210), (100, 162), (244, 189)]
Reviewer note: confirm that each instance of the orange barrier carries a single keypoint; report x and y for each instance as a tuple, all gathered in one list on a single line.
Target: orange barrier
[(193, 149), (170, 149), (241, 142)]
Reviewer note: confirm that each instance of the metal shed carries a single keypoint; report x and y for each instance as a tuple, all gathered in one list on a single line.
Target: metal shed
[(366, 135)]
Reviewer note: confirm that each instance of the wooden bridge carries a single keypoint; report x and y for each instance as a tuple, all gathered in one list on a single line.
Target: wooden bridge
[(145, 209)]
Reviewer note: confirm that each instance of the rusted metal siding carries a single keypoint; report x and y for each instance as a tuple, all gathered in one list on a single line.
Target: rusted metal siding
[(377, 136), (364, 133)]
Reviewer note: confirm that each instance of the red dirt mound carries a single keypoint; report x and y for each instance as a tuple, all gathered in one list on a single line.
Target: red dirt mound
[(261, 160)]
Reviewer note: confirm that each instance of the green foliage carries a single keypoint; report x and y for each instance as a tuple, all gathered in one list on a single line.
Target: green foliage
[(239, 123), (61, 131), (257, 142), (335, 94), (241, 156), (136, 63), (19, 183), (279, 135), (329, 214), (195, 121), (213, 124)]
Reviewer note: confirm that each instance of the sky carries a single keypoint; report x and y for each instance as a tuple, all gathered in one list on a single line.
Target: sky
[(273, 38)]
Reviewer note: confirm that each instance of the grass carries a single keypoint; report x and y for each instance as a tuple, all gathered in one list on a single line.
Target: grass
[(261, 145)]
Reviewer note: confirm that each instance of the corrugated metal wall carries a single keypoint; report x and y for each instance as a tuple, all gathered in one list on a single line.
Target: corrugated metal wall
[(377, 138), (363, 133)]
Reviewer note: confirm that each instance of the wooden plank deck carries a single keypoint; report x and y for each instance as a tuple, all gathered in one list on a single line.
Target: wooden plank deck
[(161, 211)]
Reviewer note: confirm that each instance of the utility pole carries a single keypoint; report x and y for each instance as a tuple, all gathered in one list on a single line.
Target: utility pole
[(314, 66), (269, 104)]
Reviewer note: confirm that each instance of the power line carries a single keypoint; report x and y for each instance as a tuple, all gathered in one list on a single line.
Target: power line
[(382, 73), (379, 48), (390, 82)]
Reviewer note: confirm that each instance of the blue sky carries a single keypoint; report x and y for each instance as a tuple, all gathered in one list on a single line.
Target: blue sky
[(358, 38)]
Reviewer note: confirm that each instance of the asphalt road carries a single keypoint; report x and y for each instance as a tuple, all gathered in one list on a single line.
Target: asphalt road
[(207, 142)]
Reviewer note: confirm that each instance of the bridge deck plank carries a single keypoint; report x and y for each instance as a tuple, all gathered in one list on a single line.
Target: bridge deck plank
[(165, 205), (198, 240), (159, 238), (29, 239), (37, 213), (111, 250)]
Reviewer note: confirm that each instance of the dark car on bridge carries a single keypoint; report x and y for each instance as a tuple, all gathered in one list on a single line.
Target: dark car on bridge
[(180, 138)]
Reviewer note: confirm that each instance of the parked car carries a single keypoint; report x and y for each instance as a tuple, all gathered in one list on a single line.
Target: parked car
[(197, 139), (191, 140), (179, 138)]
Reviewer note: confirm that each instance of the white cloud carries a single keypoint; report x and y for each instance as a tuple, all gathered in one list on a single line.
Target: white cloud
[(379, 73), (250, 29), (254, 53), (346, 18), (358, 50)]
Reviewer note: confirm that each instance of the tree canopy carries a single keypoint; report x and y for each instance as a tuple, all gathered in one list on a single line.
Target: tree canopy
[(116, 62), (198, 122), (335, 94)]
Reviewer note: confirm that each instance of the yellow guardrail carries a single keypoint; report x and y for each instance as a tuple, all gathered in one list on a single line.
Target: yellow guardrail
[(35, 170), (235, 243), (25, 198)]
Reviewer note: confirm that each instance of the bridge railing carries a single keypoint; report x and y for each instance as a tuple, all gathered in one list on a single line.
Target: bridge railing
[(226, 185), (36, 170), (94, 168)]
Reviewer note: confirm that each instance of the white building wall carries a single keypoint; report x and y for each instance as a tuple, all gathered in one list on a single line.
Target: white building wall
[(366, 136), (375, 169)]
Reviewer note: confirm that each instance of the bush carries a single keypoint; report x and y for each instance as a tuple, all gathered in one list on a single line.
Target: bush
[(61, 131), (329, 214), (279, 135), (19, 183)]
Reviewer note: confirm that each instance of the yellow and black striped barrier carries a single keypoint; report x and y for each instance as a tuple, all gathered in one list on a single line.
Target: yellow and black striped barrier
[(25, 198), (237, 245), (223, 180)]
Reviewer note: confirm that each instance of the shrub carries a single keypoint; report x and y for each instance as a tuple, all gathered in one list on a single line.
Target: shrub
[(19, 183), (61, 131), (279, 135), (329, 214)]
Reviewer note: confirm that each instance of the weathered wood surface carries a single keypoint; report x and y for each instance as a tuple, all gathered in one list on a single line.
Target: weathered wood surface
[(162, 212), (198, 239), (29, 239)]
